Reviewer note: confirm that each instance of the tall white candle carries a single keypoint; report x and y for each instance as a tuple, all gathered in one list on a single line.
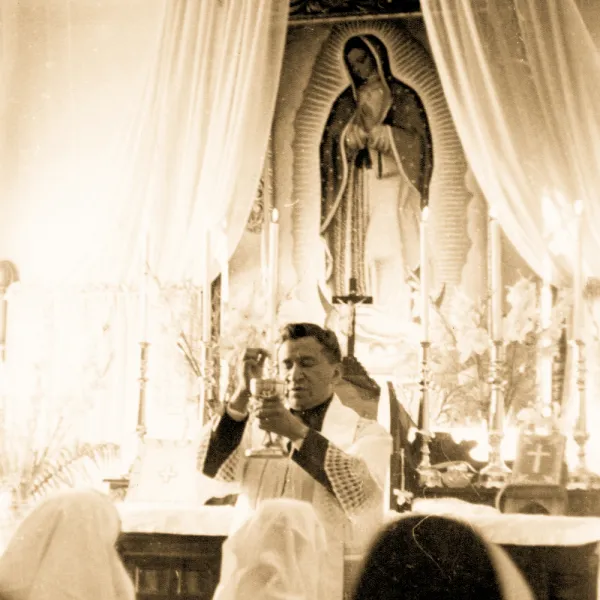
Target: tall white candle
[(224, 269), (206, 295), (546, 321), (273, 273), (144, 287), (546, 293), (424, 276), (578, 273), (496, 288)]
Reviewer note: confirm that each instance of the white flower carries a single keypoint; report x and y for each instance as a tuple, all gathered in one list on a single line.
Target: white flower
[(473, 341)]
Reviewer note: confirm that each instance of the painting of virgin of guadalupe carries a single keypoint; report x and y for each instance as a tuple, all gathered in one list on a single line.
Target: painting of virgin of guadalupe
[(376, 164)]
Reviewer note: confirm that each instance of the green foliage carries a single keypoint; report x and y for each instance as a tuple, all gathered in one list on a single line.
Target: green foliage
[(40, 455)]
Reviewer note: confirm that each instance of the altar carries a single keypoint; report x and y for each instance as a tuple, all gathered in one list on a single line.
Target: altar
[(174, 551)]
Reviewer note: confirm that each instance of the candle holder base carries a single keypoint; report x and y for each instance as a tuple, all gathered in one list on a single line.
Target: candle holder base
[(494, 475), (581, 478), (429, 477)]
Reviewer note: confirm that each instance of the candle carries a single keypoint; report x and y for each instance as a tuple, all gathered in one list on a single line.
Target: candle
[(224, 269), (206, 297), (424, 276), (546, 293), (495, 277), (272, 290), (546, 321), (144, 287), (578, 272)]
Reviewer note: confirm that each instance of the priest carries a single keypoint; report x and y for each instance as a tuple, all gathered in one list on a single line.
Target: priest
[(336, 459)]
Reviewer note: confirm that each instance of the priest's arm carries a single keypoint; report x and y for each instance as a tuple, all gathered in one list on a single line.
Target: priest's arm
[(354, 475)]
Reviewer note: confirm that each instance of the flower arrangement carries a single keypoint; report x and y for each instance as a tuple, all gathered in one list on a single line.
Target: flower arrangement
[(460, 353)]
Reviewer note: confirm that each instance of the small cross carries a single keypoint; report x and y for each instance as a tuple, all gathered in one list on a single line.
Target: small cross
[(167, 474), (538, 454), (352, 299)]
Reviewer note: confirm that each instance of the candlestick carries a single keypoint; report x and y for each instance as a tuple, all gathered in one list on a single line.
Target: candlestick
[(273, 272), (428, 476), (581, 477), (424, 275), (495, 473), (143, 379), (496, 291), (578, 272)]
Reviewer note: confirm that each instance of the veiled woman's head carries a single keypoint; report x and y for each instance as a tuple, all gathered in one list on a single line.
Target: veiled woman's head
[(365, 56)]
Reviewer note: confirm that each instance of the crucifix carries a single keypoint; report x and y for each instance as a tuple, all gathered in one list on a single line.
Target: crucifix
[(352, 299)]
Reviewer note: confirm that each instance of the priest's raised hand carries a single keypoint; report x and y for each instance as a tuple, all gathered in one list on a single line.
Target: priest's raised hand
[(274, 417)]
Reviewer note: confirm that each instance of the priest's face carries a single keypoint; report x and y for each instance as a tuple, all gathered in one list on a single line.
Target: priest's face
[(308, 373)]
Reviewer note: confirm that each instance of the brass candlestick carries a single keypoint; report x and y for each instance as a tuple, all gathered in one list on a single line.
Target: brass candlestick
[(495, 474), (428, 476), (143, 379), (206, 391), (581, 477)]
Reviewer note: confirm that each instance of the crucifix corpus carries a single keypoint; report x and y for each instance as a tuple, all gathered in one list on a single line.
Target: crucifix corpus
[(352, 299)]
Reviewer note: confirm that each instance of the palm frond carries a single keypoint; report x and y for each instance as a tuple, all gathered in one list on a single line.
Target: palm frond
[(65, 468)]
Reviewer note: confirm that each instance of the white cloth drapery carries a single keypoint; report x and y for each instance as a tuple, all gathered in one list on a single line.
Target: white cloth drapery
[(522, 80), (202, 141), (118, 119)]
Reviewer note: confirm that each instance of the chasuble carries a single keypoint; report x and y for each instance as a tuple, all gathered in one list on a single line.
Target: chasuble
[(340, 470)]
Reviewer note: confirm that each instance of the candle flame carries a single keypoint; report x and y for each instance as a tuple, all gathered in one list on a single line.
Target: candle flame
[(425, 213), (274, 215)]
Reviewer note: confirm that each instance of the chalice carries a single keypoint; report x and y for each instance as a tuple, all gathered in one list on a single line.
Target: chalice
[(272, 445)]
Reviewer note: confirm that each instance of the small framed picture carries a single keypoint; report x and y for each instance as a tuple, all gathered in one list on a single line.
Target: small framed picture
[(539, 459)]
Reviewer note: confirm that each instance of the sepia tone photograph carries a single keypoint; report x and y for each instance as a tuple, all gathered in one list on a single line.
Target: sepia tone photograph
[(298, 299)]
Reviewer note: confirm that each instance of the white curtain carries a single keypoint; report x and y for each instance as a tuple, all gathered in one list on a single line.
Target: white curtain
[(522, 79), (120, 118), (202, 139)]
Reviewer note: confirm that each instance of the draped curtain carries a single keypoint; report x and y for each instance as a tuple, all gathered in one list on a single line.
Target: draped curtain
[(522, 80), (123, 122)]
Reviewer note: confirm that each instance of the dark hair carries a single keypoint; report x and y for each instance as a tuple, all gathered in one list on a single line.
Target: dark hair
[(428, 558), (325, 337)]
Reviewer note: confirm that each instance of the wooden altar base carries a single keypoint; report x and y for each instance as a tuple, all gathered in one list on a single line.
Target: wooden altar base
[(172, 567)]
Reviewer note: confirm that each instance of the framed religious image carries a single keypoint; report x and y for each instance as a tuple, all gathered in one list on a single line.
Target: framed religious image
[(539, 459)]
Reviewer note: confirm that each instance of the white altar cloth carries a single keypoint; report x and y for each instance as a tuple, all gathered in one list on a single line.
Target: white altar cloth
[(517, 529), (185, 519)]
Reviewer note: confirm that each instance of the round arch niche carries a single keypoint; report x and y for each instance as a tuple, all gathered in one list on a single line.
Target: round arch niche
[(449, 197)]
